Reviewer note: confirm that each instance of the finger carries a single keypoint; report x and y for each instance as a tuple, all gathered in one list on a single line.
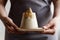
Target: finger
[(14, 25), (9, 26), (49, 25), (51, 31), (11, 23), (16, 30), (10, 29)]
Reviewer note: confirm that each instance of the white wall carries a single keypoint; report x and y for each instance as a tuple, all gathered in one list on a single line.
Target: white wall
[(2, 29)]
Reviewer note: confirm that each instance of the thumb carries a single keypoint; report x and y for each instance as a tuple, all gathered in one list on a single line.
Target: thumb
[(15, 26), (49, 25)]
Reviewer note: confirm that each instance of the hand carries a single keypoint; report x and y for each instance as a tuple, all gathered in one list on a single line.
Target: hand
[(10, 26), (51, 24), (50, 27), (47, 31)]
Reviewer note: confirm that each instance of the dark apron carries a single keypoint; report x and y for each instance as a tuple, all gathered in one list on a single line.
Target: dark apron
[(43, 13)]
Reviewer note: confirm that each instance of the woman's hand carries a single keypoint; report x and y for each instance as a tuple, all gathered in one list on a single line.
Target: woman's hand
[(47, 31), (51, 26), (10, 26)]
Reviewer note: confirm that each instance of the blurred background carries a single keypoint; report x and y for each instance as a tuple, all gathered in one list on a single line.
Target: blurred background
[(2, 28)]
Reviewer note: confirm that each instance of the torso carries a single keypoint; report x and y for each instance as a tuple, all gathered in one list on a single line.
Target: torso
[(40, 7)]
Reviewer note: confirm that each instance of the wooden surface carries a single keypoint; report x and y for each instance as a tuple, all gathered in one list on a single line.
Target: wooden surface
[(39, 29)]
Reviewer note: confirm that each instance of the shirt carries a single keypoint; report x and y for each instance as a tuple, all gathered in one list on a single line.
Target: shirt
[(43, 14)]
